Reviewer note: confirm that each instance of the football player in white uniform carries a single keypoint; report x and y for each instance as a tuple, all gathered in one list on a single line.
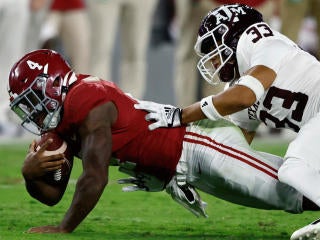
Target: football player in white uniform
[(270, 80)]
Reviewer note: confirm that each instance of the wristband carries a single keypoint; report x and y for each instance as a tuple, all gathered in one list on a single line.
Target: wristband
[(254, 84), (209, 109)]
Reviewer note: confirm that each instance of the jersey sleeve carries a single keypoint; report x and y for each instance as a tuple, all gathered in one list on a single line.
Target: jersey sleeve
[(269, 51), (82, 100)]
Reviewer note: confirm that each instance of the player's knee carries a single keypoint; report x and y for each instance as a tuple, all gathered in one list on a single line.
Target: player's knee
[(283, 174), (286, 172)]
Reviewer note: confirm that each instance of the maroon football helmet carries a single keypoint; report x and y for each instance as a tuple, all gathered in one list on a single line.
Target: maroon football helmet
[(218, 38), (38, 83)]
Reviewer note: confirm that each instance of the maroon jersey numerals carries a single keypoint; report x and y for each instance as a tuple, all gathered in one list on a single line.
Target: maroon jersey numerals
[(290, 99), (259, 31)]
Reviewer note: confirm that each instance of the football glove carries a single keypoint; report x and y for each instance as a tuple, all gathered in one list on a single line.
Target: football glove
[(163, 115), (139, 180)]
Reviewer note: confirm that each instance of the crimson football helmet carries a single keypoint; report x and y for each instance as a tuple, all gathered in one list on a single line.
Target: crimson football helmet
[(218, 38), (38, 83)]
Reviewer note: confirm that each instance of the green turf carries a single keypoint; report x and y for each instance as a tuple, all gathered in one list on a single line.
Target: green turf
[(137, 215)]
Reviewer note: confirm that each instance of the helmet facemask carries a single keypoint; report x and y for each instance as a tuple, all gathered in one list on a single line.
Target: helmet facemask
[(217, 61), (38, 112)]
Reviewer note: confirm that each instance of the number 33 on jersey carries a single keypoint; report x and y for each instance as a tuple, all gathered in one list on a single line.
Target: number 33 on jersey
[(292, 98)]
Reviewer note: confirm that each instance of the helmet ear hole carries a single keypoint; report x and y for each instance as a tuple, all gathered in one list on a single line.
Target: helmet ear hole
[(227, 52), (56, 82), (40, 82)]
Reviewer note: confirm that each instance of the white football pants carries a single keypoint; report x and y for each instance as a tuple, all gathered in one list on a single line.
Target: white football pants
[(218, 160), (301, 168)]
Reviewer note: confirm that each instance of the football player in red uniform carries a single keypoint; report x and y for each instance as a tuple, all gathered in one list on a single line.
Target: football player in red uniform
[(99, 122)]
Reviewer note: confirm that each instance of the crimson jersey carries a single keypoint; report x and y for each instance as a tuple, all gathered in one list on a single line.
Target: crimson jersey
[(66, 5), (131, 139)]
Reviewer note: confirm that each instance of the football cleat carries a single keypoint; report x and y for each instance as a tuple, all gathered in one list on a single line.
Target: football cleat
[(309, 232), (188, 197)]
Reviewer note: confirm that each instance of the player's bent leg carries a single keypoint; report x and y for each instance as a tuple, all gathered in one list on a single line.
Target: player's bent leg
[(301, 167), (296, 173), (221, 163), (311, 231)]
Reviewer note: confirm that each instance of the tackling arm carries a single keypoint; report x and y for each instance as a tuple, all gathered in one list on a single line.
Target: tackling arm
[(241, 95), (213, 107), (229, 101), (245, 92)]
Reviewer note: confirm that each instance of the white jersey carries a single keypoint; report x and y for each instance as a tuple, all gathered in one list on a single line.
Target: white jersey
[(293, 98)]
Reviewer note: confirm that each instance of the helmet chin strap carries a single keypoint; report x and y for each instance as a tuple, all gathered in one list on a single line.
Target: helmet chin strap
[(68, 80)]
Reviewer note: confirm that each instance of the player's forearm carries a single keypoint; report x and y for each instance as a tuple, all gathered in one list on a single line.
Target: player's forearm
[(217, 106), (192, 113), (96, 140), (88, 192), (43, 192)]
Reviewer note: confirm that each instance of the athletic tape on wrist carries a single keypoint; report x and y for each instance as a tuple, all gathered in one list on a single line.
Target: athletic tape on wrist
[(254, 84), (209, 109)]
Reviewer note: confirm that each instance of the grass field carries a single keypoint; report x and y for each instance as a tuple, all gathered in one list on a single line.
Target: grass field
[(137, 215)]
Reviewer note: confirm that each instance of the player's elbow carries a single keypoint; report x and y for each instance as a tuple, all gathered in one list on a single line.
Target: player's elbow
[(52, 202), (245, 97), (243, 106), (246, 101), (49, 201), (49, 197), (235, 106)]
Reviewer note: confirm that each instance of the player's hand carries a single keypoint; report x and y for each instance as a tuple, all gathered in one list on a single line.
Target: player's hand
[(163, 115), (36, 164), (46, 229)]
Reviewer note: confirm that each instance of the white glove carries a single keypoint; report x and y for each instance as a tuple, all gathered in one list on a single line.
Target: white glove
[(163, 115)]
